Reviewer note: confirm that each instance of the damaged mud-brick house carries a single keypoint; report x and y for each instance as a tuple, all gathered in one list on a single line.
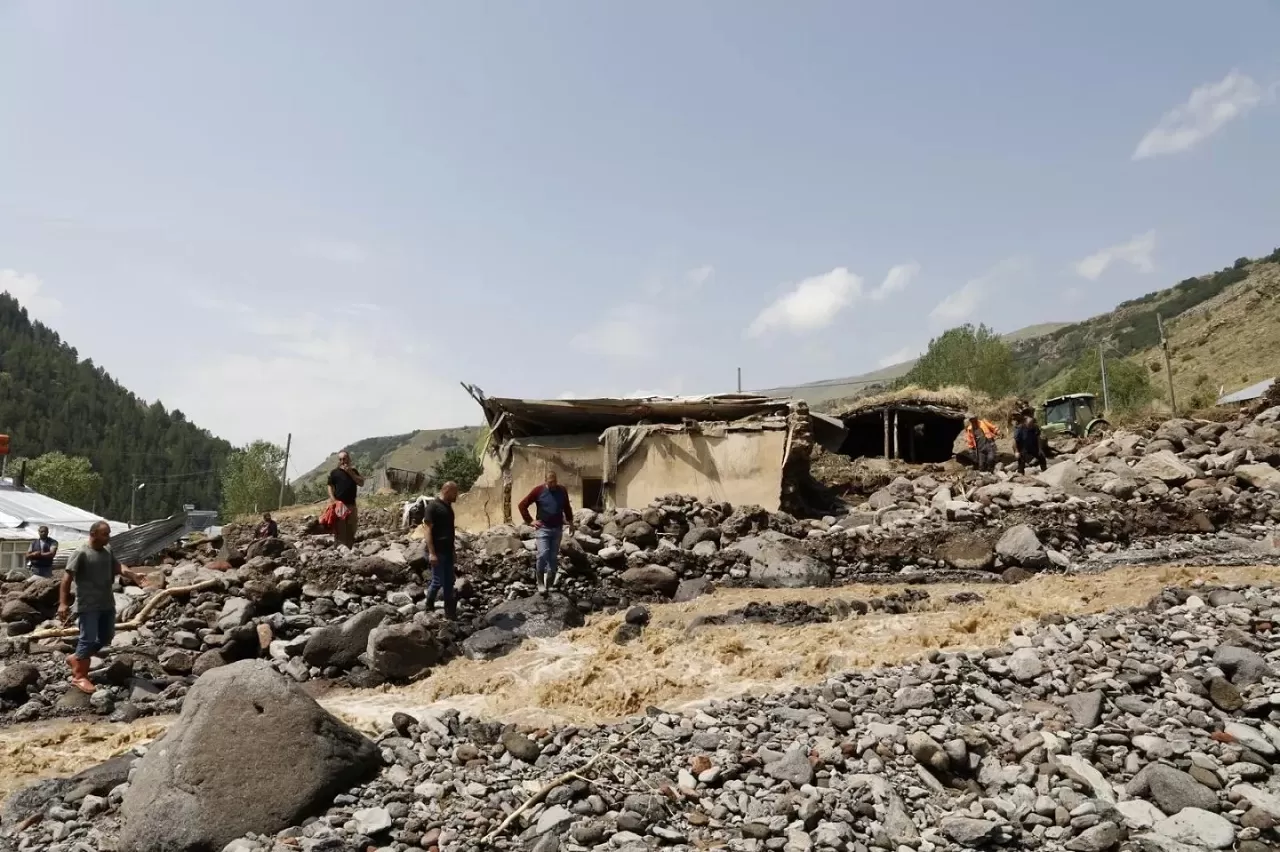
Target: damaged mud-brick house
[(743, 449)]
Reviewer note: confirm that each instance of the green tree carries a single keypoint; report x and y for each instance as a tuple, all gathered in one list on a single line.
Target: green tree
[(53, 400), (70, 479), (458, 465), (1128, 384), (251, 479), (976, 358)]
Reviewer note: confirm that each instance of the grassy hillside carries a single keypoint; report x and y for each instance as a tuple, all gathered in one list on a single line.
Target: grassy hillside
[(410, 451), (1131, 328), (1229, 341)]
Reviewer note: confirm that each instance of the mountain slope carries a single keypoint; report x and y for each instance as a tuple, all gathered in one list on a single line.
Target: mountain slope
[(411, 451), (1131, 329), (1223, 344), (51, 400)]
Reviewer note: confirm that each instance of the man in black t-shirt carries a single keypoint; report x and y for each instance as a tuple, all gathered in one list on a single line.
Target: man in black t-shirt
[(439, 522), (344, 482)]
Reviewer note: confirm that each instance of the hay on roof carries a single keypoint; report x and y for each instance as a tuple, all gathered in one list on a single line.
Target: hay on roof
[(949, 399)]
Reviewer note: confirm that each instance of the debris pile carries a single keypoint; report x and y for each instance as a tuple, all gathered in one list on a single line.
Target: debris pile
[(1185, 490), (1156, 728)]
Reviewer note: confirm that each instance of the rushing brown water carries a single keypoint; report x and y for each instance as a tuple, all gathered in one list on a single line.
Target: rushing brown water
[(582, 676)]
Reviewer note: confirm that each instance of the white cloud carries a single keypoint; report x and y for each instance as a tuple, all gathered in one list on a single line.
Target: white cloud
[(1137, 253), (898, 279), (811, 304), (334, 251), (30, 292), (310, 375), (671, 389), (630, 331), (1209, 108), (700, 275), (906, 353), (960, 306)]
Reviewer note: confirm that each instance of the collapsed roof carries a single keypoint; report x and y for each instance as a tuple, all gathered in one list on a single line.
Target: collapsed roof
[(528, 418)]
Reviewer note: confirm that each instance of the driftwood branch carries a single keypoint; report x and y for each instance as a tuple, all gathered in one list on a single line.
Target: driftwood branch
[(537, 797), (138, 620)]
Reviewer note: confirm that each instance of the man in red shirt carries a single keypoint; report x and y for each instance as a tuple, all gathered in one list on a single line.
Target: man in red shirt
[(554, 513)]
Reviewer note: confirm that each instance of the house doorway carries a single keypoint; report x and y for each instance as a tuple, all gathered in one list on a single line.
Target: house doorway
[(593, 494)]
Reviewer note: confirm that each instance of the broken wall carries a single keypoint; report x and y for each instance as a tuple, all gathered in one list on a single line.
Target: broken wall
[(574, 458), (741, 467)]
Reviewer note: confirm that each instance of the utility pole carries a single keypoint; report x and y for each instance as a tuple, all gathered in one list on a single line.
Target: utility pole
[(1106, 397), (133, 498), (284, 473), (739, 380), (1168, 370)]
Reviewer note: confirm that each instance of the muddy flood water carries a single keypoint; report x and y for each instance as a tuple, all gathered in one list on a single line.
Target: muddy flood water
[(582, 676)]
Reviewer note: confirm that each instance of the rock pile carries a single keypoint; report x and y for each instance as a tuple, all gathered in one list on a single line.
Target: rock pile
[(317, 610), (1155, 728)]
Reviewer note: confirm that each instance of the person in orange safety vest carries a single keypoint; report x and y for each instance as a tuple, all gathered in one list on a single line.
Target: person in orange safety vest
[(981, 437)]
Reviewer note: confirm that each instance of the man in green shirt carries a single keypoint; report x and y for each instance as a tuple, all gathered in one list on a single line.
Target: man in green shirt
[(93, 568)]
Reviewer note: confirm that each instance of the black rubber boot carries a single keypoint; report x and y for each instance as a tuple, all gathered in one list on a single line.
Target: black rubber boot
[(451, 610), (431, 600)]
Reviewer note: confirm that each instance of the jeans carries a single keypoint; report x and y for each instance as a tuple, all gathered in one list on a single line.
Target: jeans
[(97, 629), (41, 570), (548, 541), (442, 578)]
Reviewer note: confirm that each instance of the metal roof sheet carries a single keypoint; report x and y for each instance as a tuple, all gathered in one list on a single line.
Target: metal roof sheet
[(23, 510), (1255, 391)]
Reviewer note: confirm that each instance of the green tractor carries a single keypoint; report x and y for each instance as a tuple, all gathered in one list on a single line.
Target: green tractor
[(1073, 414)]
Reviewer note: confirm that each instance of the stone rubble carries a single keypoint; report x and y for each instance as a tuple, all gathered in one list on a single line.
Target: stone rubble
[(1090, 734), (1186, 491), (1154, 729)]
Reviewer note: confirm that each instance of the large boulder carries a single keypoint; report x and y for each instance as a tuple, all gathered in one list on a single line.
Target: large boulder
[(779, 561), (641, 534), (1262, 476), (501, 541), (1166, 467), (513, 621), (403, 651), (651, 580), (1021, 546), (39, 592), (490, 643), (251, 752), (1062, 474), (269, 547), (340, 645), (15, 680), (967, 552), (697, 535)]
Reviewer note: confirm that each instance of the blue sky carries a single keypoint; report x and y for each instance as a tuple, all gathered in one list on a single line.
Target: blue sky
[(318, 217)]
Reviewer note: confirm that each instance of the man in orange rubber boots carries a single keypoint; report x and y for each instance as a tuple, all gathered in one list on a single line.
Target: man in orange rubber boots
[(93, 568)]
